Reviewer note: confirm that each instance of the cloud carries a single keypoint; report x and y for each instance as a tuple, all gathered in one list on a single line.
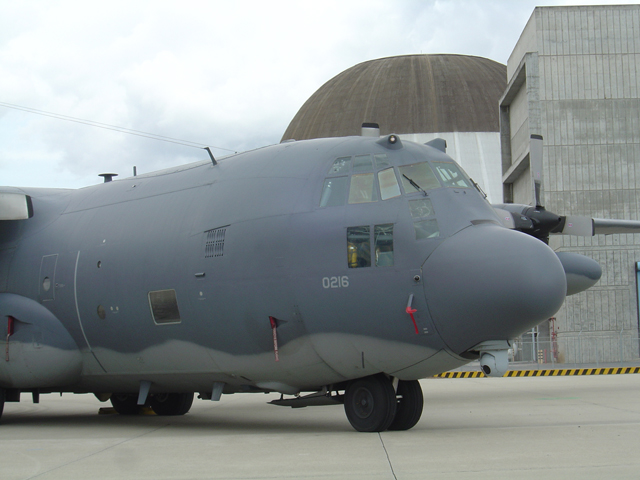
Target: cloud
[(228, 74)]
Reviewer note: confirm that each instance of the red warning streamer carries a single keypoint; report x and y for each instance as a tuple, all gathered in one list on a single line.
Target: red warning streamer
[(10, 327), (411, 311), (274, 326)]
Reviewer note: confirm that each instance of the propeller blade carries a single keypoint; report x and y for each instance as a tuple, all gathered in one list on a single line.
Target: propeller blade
[(587, 227), (506, 218), (608, 226), (576, 225), (540, 223), (535, 164)]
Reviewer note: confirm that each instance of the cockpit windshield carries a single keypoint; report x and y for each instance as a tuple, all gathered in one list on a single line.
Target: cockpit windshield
[(418, 177), (451, 175), (370, 178)]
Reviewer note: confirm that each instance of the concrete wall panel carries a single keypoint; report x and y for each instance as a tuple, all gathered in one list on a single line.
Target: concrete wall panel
[(589, 88)]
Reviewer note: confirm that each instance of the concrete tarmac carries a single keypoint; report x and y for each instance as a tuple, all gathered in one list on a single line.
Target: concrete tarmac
[(494, 428)]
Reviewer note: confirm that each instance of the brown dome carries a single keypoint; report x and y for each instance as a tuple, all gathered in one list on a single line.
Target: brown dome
[(406, 94)]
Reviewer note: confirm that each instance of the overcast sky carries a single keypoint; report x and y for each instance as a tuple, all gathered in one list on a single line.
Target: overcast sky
[(226, 74)]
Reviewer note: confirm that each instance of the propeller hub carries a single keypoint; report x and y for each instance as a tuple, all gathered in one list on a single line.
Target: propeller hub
[(544, 222)]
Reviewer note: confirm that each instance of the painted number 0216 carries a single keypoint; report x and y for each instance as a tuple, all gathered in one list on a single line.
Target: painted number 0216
[(335, 282)]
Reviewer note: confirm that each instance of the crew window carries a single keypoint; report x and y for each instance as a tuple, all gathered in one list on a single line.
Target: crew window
[(389, 187), (425, 224), (426, 229), (451, 175), (362, 163), (421, 174), (340, 165), (421, 208), (334, 192), (359, 246), (383, 241), (358, 179), (381, 160), (164, 306), (363, 189)]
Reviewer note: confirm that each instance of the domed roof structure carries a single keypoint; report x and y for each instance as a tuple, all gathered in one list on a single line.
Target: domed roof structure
[(406, 94)]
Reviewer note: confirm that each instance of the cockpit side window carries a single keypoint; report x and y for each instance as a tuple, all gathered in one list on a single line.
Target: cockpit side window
[(451, 175), (381, 160), (334, 192), (424, 222), (383, 238), (340, 165), (362, 163), (359, 179), (363, 188), (421, 175), (359, 246)]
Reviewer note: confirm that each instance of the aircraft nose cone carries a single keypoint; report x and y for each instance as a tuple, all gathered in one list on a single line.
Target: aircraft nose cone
[(491, 283)]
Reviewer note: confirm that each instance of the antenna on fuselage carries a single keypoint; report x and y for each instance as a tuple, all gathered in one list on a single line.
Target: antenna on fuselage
[(213, 160), (108, 176), (370, 130)]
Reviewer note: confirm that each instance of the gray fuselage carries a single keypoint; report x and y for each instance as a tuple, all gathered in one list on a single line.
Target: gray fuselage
[(319, 253)]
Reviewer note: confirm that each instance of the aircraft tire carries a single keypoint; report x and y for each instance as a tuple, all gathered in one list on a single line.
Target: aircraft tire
[(125, 403), (410, 404), (171, 403), (370, 403)]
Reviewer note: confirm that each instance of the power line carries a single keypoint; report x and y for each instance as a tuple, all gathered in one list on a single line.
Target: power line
[(115, 128)]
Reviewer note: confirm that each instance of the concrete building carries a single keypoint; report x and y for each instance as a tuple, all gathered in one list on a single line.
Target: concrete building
[(419, 97), (574, 78)]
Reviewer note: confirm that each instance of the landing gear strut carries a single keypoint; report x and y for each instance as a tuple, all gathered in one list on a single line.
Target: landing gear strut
[(372, 405)]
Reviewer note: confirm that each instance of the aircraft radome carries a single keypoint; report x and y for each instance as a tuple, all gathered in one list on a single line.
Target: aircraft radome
[(336, 270)]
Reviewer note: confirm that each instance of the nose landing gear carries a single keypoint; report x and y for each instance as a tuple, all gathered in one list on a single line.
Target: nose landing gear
[(373, 405)]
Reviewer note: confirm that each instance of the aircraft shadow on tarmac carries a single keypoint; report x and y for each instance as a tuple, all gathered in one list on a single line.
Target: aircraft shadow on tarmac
[(240, 421)]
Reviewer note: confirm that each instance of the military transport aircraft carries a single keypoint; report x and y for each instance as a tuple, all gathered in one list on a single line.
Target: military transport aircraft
[(336, 270)]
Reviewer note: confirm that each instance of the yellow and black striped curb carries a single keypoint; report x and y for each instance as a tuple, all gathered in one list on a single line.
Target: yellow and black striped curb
[(546, 373)]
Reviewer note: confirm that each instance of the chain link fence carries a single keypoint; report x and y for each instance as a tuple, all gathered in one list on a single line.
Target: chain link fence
[(577, 349)]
